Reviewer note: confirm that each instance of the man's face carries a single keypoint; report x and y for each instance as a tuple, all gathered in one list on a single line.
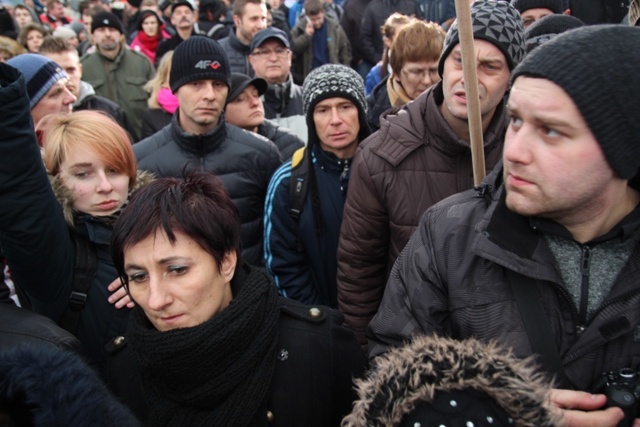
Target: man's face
[(107, 39), (337, 125), (553, 165), (201, 103), (493, 82), (271, 61), (182, 17), (317, 20), (57, 100), (252, 20), (530, 16), (57, 10), (70, 63), (86, 21), (246, 111), (23, 17)]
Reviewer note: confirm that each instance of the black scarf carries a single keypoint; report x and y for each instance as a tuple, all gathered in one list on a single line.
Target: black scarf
[(218, 373)]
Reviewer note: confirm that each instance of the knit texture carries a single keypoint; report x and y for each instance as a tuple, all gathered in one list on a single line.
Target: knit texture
[(554, 6), (596, 66), (498, 23), (40, 74), (199, 58), (218, 373), (408, 383), (106, 19), (546, 28)]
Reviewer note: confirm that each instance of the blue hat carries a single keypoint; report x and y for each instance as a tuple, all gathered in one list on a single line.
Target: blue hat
[(40, 73)]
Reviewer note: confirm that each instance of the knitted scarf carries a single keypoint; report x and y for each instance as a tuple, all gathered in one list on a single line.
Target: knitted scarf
[(149, 42), (218, 373)]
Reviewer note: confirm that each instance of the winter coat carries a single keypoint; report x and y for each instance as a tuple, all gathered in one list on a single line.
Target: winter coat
[(286, 141), (374, 16), (37, 230), (167, 45), (282, 100), (312, 386), (301, 262), (453, 279), (350, 23), (238, 53), (438, 11), (413, 161), (121, 80), (88, 100), (154, 119), (302, 46), (378, 102), (244, 162)]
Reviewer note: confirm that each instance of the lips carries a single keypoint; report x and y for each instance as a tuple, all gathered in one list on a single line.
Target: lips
[(517, 180), (108, 205)]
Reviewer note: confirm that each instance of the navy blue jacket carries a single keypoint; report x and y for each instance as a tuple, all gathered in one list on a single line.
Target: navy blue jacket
[(308, 275)]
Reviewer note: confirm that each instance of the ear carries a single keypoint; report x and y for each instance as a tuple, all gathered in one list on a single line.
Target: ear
[(80, 68), (236, 20), (228, 267)]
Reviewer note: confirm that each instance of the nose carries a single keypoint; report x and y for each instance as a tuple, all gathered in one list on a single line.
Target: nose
[(208, 91), (254, 101), (158, 298), (517, 145), (336, 118), (68, 98), (104, 184)]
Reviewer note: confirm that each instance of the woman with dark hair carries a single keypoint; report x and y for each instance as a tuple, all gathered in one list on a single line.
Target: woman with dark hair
[(31, 36), (150, 33), (210, 342)]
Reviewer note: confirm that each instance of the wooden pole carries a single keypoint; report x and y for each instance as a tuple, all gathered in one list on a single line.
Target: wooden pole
[(465, 33)]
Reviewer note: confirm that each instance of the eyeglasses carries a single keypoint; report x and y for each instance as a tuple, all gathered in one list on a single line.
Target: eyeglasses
[(280, 52), (416, 74)]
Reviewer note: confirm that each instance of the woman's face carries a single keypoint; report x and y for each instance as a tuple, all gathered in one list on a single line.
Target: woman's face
[(96, 188), (150, 26), (416, 77), (177, 285), (23, 17), (34, 41)]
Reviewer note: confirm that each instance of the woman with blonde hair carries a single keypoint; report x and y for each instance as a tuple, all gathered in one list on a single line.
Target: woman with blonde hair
[(162, 102), (414, 68), (31, 36), (57, 243)]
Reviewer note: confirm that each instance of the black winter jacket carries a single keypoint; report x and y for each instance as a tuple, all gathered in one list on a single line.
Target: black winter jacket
[(238, 53), (286, 141), (244, 162), (378, 102), (154, 119), (282, 100)]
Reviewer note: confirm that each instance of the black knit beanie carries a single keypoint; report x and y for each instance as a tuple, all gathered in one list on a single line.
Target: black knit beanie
[(199, 58), (106, 19), (496, 22), (546, 28), (597, 66), (329, 81), (554, 6)]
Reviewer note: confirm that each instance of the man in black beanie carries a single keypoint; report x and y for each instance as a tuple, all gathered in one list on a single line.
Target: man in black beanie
[(199, 139), (543, 256), (533, 10), (115, 71)]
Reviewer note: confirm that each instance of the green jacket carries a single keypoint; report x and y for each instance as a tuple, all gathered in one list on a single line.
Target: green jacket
[(339, 46), (121, 80)]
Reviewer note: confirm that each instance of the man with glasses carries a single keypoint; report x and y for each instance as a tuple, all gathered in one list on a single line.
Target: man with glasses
[(420, 155), (270, 59)]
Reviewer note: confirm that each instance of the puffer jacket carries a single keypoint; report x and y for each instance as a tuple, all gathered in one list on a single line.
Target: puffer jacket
[(302, 46), (282, 100), (286, 141), (378, 102), (244, 162), (453, 279), (413, 161), (238, 54), (121, 80)]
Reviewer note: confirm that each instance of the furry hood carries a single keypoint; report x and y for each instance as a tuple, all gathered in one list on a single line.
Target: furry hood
[(63, 194), (407, 376)]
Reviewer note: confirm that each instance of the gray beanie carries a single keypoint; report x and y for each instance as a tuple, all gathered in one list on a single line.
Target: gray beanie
[(329, 81), (580, 62), (198, 58), (496, 22)]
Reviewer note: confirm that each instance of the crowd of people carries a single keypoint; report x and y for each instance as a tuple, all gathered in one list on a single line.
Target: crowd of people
[(251, 214)]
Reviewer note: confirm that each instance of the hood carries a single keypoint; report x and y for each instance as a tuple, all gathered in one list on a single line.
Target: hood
[(63, 194), (405, 377)]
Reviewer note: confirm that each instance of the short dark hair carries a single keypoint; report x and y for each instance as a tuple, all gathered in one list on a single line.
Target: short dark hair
[(198, 206), (238, 5), (313, 7), (52, 44)]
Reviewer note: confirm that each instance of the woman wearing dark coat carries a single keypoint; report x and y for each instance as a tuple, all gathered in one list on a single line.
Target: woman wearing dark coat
[(210, 342)]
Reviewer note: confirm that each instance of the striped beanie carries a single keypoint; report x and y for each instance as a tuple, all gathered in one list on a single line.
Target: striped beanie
[(40, 74)]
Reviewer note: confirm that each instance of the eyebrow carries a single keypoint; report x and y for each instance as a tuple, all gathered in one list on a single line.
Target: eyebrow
[(162, 261), (81, 165), (544, 118)]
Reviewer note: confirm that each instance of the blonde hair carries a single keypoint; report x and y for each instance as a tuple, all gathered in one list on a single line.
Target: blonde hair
[(417, 41), (161, 78), (63, 133), (395, 22)]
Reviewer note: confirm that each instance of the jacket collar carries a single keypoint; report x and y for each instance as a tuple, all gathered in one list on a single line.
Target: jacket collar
[(200, 145), (86, 91)]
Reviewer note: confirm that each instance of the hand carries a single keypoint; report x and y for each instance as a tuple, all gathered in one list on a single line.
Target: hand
[(309, 30), (120, 297), (581, 409)]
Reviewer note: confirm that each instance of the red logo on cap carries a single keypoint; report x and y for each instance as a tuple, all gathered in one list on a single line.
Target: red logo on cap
[(215, 65)]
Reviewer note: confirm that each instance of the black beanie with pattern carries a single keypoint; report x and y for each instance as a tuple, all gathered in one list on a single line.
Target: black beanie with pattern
[(597, 66), (497, 22), (199, 58)]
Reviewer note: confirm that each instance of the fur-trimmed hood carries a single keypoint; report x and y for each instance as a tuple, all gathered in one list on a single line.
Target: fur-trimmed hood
[(407, 376), (63, 194)]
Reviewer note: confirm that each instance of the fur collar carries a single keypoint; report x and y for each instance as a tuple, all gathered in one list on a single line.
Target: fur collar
[(405, 376), (63, 194)]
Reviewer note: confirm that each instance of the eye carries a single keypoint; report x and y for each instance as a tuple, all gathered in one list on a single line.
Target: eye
[(81, 174), (138, 277), (515, 121), (178, 270), (550, 132)]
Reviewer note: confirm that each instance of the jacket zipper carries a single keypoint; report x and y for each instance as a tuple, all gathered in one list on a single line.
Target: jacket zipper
[(584, 285)]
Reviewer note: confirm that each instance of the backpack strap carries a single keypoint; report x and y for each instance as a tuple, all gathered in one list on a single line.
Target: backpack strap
[(298, 187), (84, 271), (538, 328), (213, 29)]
